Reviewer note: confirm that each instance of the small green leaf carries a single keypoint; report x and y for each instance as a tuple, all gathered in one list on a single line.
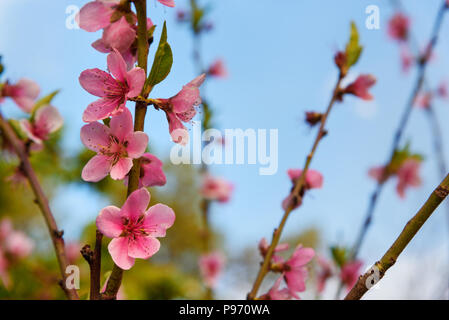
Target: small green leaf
[(163, 61), (15, 125), (107, 121), (42, 102), (151, 31), (339, 255), (353, 48), (1, 66)]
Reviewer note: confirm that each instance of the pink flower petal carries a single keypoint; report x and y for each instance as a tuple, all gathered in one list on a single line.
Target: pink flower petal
[(94, 16), (102, 109), (137, 143), (95, 136), (168, 3), (135, 79), (48, 120), (109, 222), (158, 219), (27, 127), (100, 46), (119, 35), (96, 169), (301, 256), (117, 66), (121, 168), (143, 247), (136, 204), (98, 82), (122, 125), (118, 249), (153, 174)]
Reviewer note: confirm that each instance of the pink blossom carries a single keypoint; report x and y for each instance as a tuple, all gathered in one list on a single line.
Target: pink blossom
[(218, 69), (24, 93), (46, 121), (134, 228), (181, 108), (424, 100), (377, 173), (408, 176), (115, 145), (216, 189), (407, 59), (275, 294), (361, 86), (113, 92), (350, 272), (119, 35), (96, 15), (151, 173), (211, 266), (296, 272), (18, 244), (398, 27), (168, 3), (313, 180), (263, 249), (324, 274)]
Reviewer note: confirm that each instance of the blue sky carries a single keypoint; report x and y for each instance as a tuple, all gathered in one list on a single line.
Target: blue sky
[(280, 58)]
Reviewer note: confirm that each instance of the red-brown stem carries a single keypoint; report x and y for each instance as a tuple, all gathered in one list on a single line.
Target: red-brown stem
[(42, 201), (296, 194), (115, 279)]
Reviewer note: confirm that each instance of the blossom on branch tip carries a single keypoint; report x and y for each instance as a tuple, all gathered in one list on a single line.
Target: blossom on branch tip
[(313, 180), (211, 265), (113, 92), (360, 86), (115, 145), (134, 229), (46, 121), (23, 93), (216, 189), (181, 108), (407, 59), (398, 27)]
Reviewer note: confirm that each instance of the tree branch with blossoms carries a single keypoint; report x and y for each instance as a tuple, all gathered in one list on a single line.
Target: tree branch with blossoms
[(306, 179), (412, 227), (386, 171), (56, 235)]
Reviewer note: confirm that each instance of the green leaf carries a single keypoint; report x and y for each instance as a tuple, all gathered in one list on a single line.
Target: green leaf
[(1, 66), (353, 48), (163, 61), (15, 125), (339, 255), (42, 102), (150, 31)]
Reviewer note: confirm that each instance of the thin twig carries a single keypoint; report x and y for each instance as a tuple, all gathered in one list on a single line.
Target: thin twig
[(296, 194), (367, 280), (42, 201)]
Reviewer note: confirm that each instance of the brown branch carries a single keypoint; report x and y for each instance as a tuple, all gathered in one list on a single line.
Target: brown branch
[(407, 234), (296, 193), (42, 202)]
